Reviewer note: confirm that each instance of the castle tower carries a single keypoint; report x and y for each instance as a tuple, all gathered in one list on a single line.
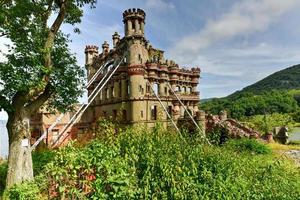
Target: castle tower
[(105, 48), (116, 39), (134, 20), (91, 51), (134, 23)]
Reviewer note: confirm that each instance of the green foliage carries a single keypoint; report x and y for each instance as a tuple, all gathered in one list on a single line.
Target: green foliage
[(296, 115), (266, 123), (3, 172), (24, 191), (40, 159), (139, 163), (40, 56), (248, 104), (249, 146), (217, 136)]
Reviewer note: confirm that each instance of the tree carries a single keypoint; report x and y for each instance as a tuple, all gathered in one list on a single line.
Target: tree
[(39, 70)]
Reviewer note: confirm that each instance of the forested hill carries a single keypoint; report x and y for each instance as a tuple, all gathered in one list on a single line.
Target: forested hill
[(277, 93), (286, 79)]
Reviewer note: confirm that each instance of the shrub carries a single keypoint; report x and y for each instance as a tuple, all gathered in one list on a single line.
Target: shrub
[(24, 191), (266, 123), (218, 135), (40, 159), (249, 146)]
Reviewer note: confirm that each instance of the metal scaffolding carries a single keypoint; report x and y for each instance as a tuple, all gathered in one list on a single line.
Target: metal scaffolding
[(83, 107)]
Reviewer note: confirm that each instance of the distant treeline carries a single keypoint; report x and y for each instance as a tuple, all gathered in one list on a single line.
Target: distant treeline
[(248, 104)]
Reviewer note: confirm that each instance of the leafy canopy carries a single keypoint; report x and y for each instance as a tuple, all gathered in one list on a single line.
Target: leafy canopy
[(39, 66)]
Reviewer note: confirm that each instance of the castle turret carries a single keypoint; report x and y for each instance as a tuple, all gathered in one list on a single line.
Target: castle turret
[(105, 48), (116, 39), (90, 52), (134, 22)]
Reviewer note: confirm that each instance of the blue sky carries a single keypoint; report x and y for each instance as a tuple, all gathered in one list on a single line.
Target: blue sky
[(235, 42)]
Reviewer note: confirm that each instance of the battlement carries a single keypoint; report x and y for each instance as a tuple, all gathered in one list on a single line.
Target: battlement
[(196, 70), (91, 49), (134, 21), (134, 13)]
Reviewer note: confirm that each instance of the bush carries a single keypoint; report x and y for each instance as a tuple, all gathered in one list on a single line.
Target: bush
[(248, 146), (40, 159), (218, 136), (266, 123), (24, 191)]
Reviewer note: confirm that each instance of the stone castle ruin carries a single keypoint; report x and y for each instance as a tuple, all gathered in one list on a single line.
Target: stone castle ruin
[(131, 82)]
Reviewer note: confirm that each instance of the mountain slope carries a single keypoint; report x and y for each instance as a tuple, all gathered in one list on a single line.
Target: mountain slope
[(277, 93), (286, 79)]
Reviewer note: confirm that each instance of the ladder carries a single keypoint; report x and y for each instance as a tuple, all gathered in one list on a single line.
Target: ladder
[(165, 109), (189, 114), (84, 106)]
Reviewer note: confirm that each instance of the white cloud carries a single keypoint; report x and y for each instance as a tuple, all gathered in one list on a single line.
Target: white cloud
[(245, 17), (160, 4)]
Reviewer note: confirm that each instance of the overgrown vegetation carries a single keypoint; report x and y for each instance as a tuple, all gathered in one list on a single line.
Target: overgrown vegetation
[(266, 123), (138, 163)]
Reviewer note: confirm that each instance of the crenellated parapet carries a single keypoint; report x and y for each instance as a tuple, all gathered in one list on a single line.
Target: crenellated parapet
[(134, 20), (91, 51), (134, 13)]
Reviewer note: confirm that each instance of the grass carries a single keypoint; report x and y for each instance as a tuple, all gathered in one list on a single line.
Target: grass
[(281, 147)]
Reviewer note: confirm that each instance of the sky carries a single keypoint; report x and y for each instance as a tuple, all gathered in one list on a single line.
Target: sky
[(234, 42)]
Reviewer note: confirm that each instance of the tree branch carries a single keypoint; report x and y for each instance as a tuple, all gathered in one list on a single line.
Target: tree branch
[(34, 105), (52, 32), (19, 99)]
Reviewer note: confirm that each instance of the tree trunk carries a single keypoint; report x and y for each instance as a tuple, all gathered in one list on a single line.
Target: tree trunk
[(19, 159)]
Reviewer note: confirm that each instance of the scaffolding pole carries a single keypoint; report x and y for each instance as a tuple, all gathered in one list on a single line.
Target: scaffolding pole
[(79, 113), (169, 116), (58, 119), (189, 114)]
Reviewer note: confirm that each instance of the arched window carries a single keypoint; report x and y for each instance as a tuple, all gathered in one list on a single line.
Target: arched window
[(106, 93), (177, 89), (153, 112), (190, 90), (184, 89), (112, 92)]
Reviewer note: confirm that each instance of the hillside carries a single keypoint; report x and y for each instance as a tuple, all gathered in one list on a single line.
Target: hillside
[(277, 93), (286, 79)]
